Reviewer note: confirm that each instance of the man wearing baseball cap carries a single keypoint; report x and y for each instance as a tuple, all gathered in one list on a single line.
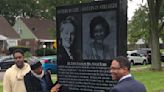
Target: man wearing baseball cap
[(37, 80)]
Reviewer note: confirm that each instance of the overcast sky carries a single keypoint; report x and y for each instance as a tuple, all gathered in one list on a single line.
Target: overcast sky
[(133, 5)]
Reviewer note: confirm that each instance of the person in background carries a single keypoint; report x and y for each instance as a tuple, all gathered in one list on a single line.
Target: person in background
[(120, 71), (14, 77), (37, 80)]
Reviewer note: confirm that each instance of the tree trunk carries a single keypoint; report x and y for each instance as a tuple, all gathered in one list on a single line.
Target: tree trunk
[(156, 64)]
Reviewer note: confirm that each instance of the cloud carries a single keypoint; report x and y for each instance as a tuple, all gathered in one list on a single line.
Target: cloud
[(133, 5)]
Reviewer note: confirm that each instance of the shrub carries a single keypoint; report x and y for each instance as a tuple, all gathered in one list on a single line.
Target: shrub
[(27, 55), (45, 52), (24, 49)]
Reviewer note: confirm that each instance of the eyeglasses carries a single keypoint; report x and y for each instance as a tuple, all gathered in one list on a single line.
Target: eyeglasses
[(115, 68)]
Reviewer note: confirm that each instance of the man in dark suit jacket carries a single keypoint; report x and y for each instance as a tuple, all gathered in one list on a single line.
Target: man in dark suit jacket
[(120, 71)]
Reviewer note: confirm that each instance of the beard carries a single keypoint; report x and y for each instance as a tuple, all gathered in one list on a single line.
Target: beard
[(19, 64)]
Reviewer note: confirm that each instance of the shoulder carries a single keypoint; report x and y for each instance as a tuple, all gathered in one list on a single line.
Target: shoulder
[(138, 84), (129, 81), (30, 78), (27, 66), (47, 73), (11, 69), (132, 81), (28, 74), (10, 72), (130, 84)]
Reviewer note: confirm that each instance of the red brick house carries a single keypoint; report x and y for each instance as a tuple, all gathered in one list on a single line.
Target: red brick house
[(8, 36), (35, 33)]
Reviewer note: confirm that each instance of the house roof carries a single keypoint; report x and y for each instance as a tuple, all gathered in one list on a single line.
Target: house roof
[(7, 30), (41, 28)]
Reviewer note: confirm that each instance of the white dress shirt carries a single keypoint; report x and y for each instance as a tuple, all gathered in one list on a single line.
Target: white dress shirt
[(126, 76)]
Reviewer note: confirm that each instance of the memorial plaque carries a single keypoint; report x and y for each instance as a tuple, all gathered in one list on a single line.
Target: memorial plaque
[(89, 36)]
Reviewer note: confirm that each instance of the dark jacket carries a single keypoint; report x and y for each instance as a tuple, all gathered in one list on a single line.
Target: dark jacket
[(63, 55), (33, 84), (128, 85)]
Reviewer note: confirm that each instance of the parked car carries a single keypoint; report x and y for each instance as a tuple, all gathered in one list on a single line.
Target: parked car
[(6, 62), (135, 58), (49, 63), (146, 52), (162, 57)]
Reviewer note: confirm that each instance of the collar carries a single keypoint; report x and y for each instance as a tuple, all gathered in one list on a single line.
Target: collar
[(26, 66), (126, 76), (38, 76), (21, 72)]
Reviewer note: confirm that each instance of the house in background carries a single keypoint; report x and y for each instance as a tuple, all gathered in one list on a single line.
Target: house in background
[(8, 36), (35, 33)]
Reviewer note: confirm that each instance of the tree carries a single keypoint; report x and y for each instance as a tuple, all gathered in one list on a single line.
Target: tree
[(10, 9), (154, 10), (138, 26), (147, 23), (69, 2)]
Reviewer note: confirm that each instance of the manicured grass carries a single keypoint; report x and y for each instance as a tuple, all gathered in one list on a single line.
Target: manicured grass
[(1, 87), (153, 81), (162, 50), (54, 77)]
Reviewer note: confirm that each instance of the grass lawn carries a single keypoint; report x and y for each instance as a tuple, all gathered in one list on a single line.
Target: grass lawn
[(1, 90), (153, 81), (54, 78), (162, 50)]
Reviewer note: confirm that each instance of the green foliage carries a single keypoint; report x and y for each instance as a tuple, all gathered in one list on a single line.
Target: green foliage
[(56, 3), (10, 9), (139, 26), (24, 49), (70, 2), (13, 8), (45, 52), (27, 55)]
